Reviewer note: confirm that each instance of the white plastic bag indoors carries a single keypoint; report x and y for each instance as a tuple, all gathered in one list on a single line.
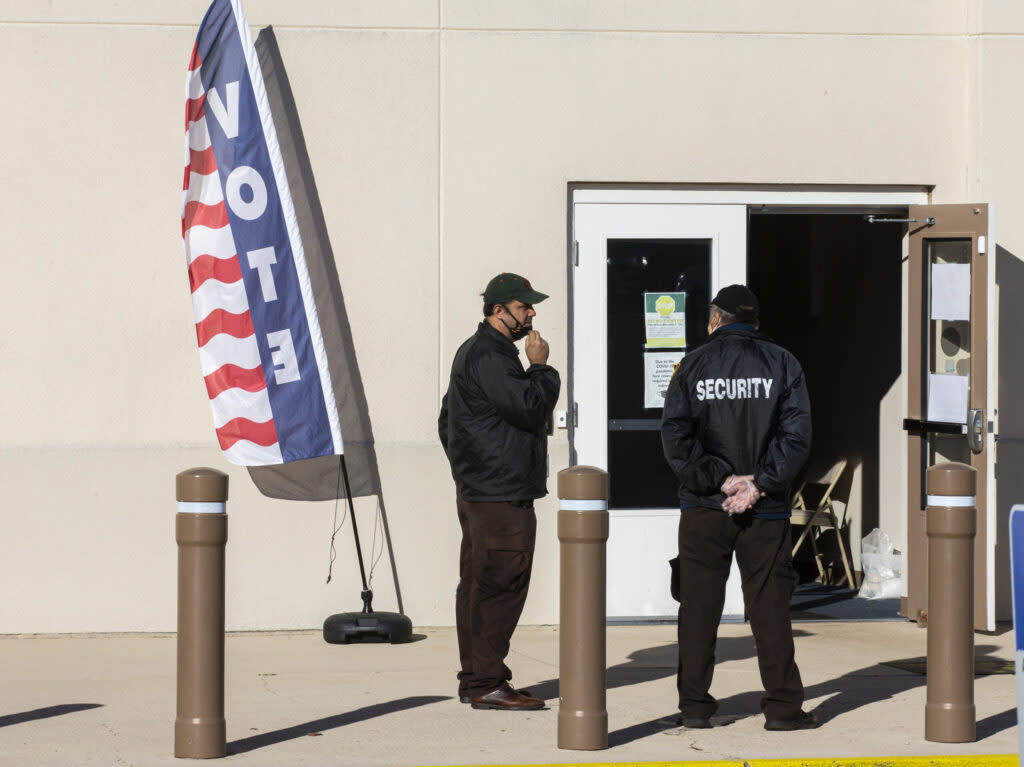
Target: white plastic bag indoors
[(881, 565)]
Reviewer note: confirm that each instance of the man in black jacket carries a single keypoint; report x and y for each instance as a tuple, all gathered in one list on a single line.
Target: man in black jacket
[(736, 430), (493, 426)]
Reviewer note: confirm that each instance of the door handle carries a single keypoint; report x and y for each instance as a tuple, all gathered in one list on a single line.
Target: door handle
[(976, 430), (920, 426)]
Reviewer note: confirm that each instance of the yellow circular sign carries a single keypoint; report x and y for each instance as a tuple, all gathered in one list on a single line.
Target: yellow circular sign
[(665, 305)]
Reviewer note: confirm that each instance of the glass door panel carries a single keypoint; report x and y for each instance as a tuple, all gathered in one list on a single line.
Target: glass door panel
[(947, 347), (640, 358)]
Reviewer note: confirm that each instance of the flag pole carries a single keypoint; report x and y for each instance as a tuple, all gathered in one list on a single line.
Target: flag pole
[(367, 595), (342, 628)]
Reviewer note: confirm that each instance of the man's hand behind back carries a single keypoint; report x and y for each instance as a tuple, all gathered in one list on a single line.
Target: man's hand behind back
[(536, 348), (741, 493)]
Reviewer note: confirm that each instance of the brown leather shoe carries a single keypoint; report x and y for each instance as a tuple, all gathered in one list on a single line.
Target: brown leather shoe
[(469, 698), (505, 698)]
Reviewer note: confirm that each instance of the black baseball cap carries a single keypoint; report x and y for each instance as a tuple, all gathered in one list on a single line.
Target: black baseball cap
[(738, 300), (507, 286)]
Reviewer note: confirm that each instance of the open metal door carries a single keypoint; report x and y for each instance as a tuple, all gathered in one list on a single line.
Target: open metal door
[(951, 382)]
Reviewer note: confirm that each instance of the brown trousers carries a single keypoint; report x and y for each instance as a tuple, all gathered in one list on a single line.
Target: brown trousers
[(494, 576), (707, 540)]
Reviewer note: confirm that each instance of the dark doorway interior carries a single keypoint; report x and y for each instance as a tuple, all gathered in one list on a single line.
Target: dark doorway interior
[(830, 292)]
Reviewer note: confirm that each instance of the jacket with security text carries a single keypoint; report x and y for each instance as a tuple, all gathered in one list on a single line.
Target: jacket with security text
[(494, 420), (737, 405)]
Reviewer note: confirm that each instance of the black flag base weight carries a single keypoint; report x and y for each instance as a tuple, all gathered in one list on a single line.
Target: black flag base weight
[(342, 628)]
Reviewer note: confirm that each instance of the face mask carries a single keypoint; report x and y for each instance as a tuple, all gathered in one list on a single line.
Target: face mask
[(517, 331)]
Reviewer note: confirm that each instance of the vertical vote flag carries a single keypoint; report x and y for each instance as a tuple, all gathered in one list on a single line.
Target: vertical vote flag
[(260, 345)]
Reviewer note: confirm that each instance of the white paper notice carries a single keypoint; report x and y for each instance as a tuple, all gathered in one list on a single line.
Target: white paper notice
[(951, 291), (658, 369), (947, 398)]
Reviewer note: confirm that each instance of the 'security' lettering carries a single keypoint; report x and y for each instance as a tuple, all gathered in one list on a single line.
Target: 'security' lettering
[(734, 388)]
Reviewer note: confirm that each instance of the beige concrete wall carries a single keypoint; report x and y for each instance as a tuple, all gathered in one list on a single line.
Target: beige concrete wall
[(89, 544), (997, 17), (443, 136), (401, 14), (110, 403), (729, 16)]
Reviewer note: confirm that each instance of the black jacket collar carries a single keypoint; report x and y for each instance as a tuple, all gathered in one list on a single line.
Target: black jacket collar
[(497, 339), (739, 329)]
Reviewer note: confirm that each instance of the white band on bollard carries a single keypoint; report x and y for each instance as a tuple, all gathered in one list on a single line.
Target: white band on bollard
[(569, 504), (194, 507), (951, 500)]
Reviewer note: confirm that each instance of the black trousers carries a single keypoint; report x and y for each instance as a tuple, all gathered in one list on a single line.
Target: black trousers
[(494, 575), (707, 540)]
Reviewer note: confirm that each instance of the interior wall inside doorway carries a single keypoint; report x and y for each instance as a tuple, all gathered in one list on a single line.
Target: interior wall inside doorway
[(830, 288)]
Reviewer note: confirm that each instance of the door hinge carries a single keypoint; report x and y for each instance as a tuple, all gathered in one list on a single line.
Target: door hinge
[(575, 415), (575, 252), (981, 244)]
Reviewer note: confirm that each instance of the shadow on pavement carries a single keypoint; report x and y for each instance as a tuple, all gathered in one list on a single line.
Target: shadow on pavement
[(845, 693), (317, 726), (658, 662), (990, 725), (851, 691), (46, 713), (643, 730)]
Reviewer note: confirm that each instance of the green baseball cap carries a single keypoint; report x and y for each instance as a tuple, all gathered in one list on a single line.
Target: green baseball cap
[(507, 286)]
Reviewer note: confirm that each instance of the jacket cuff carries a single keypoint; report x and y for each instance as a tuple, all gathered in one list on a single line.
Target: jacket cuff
[(761, 484)]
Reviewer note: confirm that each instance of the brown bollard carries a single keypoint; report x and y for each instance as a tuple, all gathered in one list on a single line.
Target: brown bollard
[(951, 524), (201, 527), (583, 534)]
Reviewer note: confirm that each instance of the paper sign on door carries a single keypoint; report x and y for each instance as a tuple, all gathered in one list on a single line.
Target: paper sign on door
[(665, 320), (951, 291), (658, 370), (947, 398)]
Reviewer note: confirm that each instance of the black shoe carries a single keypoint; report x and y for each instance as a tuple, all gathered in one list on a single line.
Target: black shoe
[(803, 721), (695, 722)]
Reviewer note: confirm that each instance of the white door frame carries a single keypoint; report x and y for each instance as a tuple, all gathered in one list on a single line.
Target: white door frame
[(638, 585), (716, 201)]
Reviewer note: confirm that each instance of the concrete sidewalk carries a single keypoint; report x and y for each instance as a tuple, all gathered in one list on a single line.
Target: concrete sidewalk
[(292, 699)]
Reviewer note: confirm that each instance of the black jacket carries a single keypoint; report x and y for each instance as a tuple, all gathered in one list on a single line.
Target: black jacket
[(737, 405), (494, 420)]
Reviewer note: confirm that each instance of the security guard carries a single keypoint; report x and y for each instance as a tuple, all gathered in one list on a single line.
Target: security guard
[(736, 430)]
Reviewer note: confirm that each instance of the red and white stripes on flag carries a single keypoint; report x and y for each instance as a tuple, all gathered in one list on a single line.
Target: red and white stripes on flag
[(260, 346), (228, 352)]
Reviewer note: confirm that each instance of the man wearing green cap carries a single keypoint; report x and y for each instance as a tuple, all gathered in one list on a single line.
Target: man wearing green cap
[(494, 423)]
